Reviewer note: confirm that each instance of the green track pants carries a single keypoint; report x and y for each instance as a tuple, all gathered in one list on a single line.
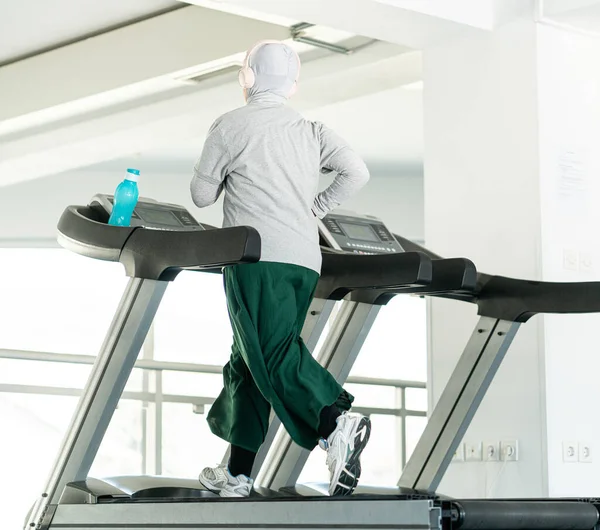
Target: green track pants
[(270, 365)]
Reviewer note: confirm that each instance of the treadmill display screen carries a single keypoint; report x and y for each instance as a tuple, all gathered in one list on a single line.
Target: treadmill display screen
[(359, 231), (156, 216)]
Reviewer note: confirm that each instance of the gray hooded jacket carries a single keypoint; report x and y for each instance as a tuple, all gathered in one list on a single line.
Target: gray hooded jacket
[(267, 158)]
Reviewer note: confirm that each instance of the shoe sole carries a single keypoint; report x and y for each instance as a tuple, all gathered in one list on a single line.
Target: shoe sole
[(348, 479)]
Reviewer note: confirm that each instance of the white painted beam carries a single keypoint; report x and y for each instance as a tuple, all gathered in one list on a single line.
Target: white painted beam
[(558, 7), (370, 18), (146, 50), (166, 119)]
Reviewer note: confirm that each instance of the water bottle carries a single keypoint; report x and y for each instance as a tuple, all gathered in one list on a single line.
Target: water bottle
[(126, 197)]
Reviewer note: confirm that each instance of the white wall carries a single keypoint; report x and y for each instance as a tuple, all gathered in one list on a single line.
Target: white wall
[(482, 202), (30, 211), (569, 88)]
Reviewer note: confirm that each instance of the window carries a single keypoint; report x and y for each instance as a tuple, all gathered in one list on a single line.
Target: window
[(52, 301), (396, 347), (192, 324), (188, 446), (34, 427), (57, 301)]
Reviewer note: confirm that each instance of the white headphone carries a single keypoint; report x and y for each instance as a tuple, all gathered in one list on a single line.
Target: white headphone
[(246, 75)]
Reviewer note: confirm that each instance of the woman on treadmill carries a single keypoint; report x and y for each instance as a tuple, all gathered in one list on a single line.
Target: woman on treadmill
[(266, 158)]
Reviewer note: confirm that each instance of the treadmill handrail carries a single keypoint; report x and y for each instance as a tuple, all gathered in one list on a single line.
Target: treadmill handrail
[(187, 250), (156, 254), (342, 273), (519, 300), (453, 277)]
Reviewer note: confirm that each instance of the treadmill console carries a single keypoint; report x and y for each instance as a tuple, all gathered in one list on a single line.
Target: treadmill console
[(360, 234), (153, 214)]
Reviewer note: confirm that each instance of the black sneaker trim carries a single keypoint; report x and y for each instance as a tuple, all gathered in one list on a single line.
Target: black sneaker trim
[(349, 476)]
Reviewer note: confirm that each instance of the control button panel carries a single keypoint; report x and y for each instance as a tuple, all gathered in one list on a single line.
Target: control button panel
[(360, 234)]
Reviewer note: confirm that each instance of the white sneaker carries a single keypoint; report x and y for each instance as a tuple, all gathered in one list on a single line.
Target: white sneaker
[(344, 447), (220, 480)]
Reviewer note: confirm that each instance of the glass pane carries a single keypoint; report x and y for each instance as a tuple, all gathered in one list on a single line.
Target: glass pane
[(396, 347), (35, 426), (372, 396), (380, 460), (57, 301), (416, 399), (13, 371), (121, 449), (192, 324), (192, 384), (188, 445)]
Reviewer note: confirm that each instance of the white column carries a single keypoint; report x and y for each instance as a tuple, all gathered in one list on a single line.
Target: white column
[(482, 201), (569, 133), (512, 127)]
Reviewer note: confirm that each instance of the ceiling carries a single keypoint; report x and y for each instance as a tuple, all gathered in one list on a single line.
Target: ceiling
[(125, 99), (582, 14), (29, 26)]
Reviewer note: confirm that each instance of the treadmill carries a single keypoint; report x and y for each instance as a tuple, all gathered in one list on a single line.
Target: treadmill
[(504, 304), (163, 240), (364, 278)]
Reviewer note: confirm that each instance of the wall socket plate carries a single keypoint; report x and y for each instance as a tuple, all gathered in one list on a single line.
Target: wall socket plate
[(585, 452), (473, 451), (509, 450), (570, 451), (459, 454), (570, 260), (491, 451)]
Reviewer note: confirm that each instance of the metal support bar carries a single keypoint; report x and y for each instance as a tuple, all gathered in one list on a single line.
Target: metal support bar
[(401, 427), (149, 397), (147, 439), (104, 387), (285, 459), (158, 423), (458, 403), (169, 366), (144, 364)]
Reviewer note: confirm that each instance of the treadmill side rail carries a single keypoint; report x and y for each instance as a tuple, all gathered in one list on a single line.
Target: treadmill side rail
[(233, 513), (458, 403)]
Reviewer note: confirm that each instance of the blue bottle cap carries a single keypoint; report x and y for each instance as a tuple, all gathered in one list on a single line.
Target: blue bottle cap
[(133, 171)]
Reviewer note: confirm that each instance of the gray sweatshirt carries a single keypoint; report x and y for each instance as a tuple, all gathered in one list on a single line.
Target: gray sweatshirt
[(267, 158)]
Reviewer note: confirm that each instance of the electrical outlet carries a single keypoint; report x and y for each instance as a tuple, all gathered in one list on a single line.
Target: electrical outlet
[(459, 454), (509, 450), (570, 260), (585, 452), (586, 262), (491, 451), (473, 452), (570, 452)]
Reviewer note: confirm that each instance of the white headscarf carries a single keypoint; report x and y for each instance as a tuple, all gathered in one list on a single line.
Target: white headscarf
[(275, 67)]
